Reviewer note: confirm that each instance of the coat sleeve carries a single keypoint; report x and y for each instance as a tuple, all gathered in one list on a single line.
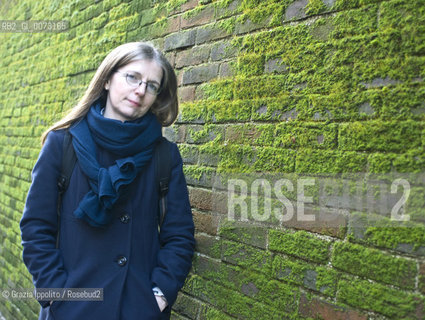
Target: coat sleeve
[(39, 221), (177, 235)]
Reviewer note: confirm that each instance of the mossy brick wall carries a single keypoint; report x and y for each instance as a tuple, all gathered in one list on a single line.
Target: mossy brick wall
[(295, 88)]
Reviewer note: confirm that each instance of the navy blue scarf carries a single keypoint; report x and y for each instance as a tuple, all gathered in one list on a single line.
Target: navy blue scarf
[(134, 141)]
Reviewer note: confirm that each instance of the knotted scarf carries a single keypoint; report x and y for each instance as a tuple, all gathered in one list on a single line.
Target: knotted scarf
[(134, 141)]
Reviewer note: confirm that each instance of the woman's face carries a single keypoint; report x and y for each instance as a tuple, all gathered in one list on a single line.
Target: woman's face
[(126, 99)]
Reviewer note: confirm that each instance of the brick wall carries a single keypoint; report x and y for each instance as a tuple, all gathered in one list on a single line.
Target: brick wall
[(311, 94)]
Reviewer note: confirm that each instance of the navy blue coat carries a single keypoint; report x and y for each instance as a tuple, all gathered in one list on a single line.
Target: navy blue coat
[(127, 258)]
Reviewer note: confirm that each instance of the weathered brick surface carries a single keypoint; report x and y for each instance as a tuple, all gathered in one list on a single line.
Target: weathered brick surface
[(208, 245), (198, 18), (208, 33), (187, 306), (206, 223), (201, 199), (180, 40), (318, 278), (296, 10), (222, 50), (186, 93), (244, 255), (268, 90), (319, 309), (193, 56), (245, 233), (200, 74)]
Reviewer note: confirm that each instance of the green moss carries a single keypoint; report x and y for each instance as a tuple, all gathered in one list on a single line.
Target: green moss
[(258, 87), (227, 25), (193, 12), (380, 136), (300, 244), (198, 173), (275, 294), (295, 135), (348, 4), (218, 90), (317, 278), (246, 256), (258, 11), (311, 161), (266, 160), (232, 302), (326, 280), (354, 22), (315, 7), (269, 159), (250, 65), (232, 158), (119, 12), (394, 237), (214, 314), (159, 11), (244, 232), (375, 265), (380, 162), (204, 134), (390, 302), (386, 233), (410, 161)]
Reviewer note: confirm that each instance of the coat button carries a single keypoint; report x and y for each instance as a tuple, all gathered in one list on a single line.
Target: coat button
[(122, 261), (125, 218)]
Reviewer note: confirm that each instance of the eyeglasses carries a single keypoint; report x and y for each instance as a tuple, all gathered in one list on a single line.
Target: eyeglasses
[(134, 81)]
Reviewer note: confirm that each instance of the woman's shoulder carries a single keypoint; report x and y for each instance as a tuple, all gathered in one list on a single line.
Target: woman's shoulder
[(173, 152), (54, 138), (56, 134), (174, 149)]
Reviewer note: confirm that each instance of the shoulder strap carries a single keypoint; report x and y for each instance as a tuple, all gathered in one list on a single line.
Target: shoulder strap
[(68, 162), (162, 176)]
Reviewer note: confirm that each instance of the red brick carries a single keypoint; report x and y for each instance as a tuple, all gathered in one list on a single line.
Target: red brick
[(239, 134), (179, 75), (193, 56), (199, 74), (189, 5), (220, 203), (200, 198), (173, 24), (175, 133), (186, 93), (226, 70), (333, 224), (186, 306), (181, 134), (208, 245), (319, 309), (205, 16), (206, 223), (171, 57), (210, 32), (186, 6)]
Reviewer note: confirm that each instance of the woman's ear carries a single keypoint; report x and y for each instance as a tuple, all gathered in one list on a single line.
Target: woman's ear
[(107, 84)]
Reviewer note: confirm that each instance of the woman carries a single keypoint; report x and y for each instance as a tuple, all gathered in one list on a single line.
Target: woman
[(109, 235)]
